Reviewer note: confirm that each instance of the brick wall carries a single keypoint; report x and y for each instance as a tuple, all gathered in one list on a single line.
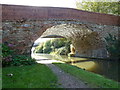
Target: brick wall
[(15, 12)]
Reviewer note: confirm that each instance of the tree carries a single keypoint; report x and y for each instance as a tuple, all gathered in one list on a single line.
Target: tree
[(101, 7)]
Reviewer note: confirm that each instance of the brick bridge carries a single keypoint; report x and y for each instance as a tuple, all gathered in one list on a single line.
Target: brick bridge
[(22, 25)]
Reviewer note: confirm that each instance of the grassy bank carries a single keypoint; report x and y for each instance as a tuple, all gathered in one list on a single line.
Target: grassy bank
[(94, 80), (31, 76)]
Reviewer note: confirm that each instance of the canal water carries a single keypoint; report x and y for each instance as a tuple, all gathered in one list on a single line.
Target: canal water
[(107, 68)]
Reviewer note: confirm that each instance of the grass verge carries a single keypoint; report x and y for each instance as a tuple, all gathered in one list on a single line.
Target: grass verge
[(92, 79), (30, 76)]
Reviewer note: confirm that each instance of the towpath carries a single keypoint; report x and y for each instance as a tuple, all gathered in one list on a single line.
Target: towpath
[(65, 80)]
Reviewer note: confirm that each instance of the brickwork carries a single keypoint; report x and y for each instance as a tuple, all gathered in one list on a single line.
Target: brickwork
[(12, 12), (22, 25)]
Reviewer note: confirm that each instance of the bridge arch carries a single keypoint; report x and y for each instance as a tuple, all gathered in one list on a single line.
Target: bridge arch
[(86, 41)]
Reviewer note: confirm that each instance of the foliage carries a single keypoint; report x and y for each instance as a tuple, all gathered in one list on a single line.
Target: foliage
[(58, 46), (10, 59), (39, 49), (22, 60), (67, 45), (92, 79), (113, 45), (101, 7), (47, 47), (6, 50), (57, 43), (30, 76), (6, 55), (61, 51), (65, 49)]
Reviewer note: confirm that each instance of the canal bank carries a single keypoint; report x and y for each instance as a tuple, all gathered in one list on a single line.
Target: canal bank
[(91, 79)]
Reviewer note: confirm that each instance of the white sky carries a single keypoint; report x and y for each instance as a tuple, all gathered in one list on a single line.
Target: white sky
[(53, 3)]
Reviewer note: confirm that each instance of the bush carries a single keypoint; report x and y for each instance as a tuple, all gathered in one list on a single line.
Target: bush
[(6, 61), (113, 46), (9, 59), (22, 60), (6, 55), (6, 51)]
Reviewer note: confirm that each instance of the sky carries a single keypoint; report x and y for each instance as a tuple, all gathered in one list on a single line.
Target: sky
[(48, 3), (51, 3)]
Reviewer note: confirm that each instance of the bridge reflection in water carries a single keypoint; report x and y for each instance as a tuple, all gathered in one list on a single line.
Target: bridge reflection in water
[(106, 68)]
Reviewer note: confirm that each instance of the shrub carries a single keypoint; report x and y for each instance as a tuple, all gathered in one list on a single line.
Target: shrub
[(113, 45), (22, 60), (6, 51), (6, 61), (6, 55), (9, 59)]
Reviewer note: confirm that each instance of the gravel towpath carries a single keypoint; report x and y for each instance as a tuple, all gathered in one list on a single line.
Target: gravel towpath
[(66, 80)]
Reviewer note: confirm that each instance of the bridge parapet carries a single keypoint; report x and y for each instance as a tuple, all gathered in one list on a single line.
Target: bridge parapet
[(17, 12)]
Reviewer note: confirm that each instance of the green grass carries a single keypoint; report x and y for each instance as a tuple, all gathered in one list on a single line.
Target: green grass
[(94, 80), (31, 76)]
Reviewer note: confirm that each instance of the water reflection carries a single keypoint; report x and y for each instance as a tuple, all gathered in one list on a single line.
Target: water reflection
[(106, 68), (86, 65)]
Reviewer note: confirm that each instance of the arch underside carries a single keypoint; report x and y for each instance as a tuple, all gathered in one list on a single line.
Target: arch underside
[(87, 43)]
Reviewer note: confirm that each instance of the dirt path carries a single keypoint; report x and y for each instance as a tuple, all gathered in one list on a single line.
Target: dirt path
[(65, 80)]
